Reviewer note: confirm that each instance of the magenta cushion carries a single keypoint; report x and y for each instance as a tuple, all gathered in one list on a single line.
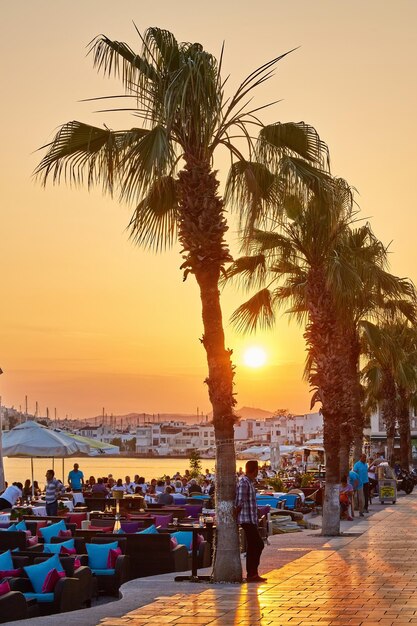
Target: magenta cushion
[(4, 588), (112, 558), (51, 580)]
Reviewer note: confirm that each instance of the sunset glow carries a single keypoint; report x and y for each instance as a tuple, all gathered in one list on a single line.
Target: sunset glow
[(88, 320), (254, 357)]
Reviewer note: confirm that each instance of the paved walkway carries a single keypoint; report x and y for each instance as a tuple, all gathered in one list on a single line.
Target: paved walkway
[(366, 577)]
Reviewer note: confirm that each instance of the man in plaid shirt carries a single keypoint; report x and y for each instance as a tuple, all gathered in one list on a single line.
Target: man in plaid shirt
[(247, 517)]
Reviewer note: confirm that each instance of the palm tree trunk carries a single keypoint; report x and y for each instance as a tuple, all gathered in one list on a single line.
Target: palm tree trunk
[(202, 227), (344, 452), (357, 418), (404, 428), (326, 343), (389, 410)]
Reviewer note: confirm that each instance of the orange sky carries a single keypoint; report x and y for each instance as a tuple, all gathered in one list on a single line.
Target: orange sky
[(87, 320)]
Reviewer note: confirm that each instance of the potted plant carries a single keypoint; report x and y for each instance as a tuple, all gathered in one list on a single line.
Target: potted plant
[(62, 509)]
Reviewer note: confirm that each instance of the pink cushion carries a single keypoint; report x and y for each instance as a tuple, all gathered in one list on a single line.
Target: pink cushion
[(32, 541), (65, 550), (112, 558), (51, 580), (40, 524), (11, 572), (77, 563), (199, 539), (65, 533), (4, 588), (174, 542)]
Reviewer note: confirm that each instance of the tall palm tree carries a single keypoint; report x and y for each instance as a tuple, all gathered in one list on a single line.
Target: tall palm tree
[(378, 293), (165, 167), (299, 262)]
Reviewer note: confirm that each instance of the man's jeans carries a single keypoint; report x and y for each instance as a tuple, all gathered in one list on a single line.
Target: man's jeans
[(52, 508)]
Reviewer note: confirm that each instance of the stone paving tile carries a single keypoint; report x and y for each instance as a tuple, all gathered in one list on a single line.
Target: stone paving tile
[(370, 579)]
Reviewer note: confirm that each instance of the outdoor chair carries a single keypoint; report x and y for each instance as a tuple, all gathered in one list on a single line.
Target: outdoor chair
[(82, 573), (14, 606), (109, 578), (151, 554), (292, 501), (66, 595)]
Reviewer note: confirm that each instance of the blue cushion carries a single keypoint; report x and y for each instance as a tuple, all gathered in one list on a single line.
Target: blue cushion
[(40, 597), (6, 562), (37, 573), (98, 553), (151, 530), (184, 537), (48, 532), (103, 572), (55, 548), (12, 528), (21, 525)]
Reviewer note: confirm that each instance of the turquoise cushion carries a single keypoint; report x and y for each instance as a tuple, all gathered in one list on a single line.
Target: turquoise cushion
[(55, 548), (103, 572), (98, 553), (184, 537), (6, 562), (151, 530), (48, 532), (21, 525), (40, 597), (37, 573), (12, 528)]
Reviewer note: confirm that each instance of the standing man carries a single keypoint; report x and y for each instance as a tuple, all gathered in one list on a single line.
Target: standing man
[(247, 517), (53, 489), (361, 468), (76, 479)]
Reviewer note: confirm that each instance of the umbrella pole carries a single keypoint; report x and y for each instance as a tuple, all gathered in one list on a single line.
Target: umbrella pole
[(31, 471), (63, 473)]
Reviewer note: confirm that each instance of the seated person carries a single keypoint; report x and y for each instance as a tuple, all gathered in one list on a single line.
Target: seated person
[(194, 487), (166, 497), (345, 496), (27, 489), (99, 487)]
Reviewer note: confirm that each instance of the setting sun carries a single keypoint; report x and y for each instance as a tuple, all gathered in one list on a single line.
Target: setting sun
[(254, 357)]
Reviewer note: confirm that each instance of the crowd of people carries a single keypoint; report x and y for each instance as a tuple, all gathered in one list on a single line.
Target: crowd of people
[(167, 490)]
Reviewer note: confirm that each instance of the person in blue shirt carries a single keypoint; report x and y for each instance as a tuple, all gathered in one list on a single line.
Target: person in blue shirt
[(361, 468), (76, 478), (355, 481)]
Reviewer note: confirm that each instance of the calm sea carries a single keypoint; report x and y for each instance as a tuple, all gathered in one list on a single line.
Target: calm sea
[(18, 469)]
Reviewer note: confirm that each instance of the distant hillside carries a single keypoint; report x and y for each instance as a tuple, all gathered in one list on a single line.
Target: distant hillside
[(247, 412), (134, 419)]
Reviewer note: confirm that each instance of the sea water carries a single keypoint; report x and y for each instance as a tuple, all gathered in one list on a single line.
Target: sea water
[(18, 469)]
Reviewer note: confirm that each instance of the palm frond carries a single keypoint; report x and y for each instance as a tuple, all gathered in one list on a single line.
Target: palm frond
[(117, 58), (250, 271), (154, 223), (149, 158), (257, 312), (298, 139), (83, 153)]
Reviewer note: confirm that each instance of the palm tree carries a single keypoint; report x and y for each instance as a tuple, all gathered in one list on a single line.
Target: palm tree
[(166, 168), (391, 379), (378, 292), (299, 262)]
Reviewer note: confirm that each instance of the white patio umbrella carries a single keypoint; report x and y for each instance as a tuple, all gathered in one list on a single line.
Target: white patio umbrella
[(97, 448), (31, 439)]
